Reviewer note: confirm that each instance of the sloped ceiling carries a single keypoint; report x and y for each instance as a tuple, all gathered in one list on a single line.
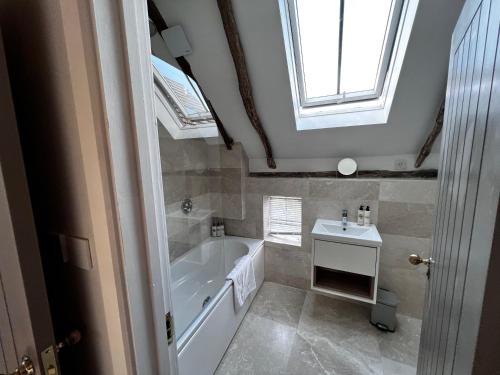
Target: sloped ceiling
[(420, 89)]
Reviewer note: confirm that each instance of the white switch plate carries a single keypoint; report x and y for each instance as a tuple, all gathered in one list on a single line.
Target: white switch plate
[(76, 251), (400, 165)]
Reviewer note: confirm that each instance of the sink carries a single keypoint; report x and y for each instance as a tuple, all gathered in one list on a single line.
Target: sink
[(351, 233), (345, 230)]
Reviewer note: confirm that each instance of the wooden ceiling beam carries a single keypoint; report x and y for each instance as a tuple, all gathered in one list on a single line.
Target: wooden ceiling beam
[(245, 86), (436, 130)]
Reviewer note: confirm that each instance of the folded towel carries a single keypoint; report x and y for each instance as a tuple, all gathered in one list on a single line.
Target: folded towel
[(243, 278)]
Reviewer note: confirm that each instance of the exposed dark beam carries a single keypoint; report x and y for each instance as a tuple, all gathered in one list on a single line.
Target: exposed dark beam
[(341, 40), (420, 174), (236, 48), (427, 147), (159, 21)]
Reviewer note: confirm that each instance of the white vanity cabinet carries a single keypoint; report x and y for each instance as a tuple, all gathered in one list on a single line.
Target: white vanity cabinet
[(345, 260)]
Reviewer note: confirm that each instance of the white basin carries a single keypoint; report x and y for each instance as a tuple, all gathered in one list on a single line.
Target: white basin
[(351, 233), (345, 230)]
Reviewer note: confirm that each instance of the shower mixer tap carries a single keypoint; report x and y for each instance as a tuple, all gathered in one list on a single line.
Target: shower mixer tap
[(187, 206)]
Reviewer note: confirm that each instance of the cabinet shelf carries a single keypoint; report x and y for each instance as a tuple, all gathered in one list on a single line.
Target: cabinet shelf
[(343, 283)]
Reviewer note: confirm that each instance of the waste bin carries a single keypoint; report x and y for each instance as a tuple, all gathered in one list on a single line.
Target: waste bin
[(383, 314)]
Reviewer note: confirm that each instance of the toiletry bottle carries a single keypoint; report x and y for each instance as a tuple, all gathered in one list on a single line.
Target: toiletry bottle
[(361, 215), (219, 228), (214, 228), (367, 216)]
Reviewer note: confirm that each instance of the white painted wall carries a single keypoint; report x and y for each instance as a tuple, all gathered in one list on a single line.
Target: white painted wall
[(418, 96)]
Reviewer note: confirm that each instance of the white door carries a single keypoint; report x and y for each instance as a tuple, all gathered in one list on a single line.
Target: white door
[(25, 321), (468, 195)]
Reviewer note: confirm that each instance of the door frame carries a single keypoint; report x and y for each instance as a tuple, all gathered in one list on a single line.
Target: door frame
[(24, 306), (123, 48)]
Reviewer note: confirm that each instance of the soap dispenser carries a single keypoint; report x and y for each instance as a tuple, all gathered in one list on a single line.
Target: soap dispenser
[(367, 216), (361, 215)]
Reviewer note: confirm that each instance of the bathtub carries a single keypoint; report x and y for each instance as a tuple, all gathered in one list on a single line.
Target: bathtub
[(205, 318)]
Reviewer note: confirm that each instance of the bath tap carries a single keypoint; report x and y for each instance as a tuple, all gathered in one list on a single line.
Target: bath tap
[(344, 218)]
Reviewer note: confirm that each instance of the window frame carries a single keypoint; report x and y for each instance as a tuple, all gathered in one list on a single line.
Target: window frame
[(373, 111), (168, 116), (206, 117), (389, 39)]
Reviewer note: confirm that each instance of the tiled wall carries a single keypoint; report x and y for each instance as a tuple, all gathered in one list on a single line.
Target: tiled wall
[(211, 176), (231, 175), (402, 210), (216, 181), (187, 173)]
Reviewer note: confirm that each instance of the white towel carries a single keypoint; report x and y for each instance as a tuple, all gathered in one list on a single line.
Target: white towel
[(243, 278)]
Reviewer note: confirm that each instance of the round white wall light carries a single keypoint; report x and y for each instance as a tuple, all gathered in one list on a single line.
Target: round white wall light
[(347, 166)]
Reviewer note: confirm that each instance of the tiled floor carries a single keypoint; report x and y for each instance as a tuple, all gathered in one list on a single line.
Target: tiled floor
[(293, 332)]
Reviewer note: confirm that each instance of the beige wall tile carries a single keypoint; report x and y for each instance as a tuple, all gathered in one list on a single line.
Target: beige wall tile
[(408, 285), (232, 207), (289, 187), (196, 185), (173, 187), (398, 275), (340, 189), (408, 191), (321, 208), (242, 228), (231, 181), (215, 183), (396, 250), (234, 158), (406, 219), (306, 245), (188, 172), (254, 207), (288, 267)]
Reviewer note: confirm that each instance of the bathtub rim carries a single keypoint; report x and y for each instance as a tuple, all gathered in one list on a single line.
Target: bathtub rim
[(254, 245)]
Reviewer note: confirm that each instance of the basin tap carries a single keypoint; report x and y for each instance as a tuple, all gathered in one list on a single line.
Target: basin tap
[(344, 218)]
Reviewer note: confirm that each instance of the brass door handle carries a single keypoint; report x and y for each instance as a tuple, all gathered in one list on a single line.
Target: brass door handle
[(26, 367), (417, 259)]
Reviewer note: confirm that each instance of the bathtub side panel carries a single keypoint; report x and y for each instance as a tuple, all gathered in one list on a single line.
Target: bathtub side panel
[(202, 354), (258, 265)]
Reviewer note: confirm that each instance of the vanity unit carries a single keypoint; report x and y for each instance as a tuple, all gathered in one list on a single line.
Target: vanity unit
[(345, 260)]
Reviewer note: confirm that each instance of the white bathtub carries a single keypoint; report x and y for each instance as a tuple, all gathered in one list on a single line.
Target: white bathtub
[(205, 329)]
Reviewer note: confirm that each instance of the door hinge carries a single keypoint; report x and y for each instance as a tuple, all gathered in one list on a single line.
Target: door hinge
[(49, 361), (169, 322)]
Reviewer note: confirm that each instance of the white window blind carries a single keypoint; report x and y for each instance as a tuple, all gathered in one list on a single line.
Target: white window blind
[(285, 215)]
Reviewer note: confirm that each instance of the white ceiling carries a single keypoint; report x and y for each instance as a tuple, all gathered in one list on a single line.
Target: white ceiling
[(420, 89)]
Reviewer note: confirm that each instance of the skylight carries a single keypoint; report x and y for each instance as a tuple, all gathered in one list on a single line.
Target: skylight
[(342, 47), (344, 58), (179, 104), (182, 94)]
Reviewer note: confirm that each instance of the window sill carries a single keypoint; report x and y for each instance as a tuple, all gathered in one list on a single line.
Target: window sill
[(274, 241), (166, 117), (373, 112)]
